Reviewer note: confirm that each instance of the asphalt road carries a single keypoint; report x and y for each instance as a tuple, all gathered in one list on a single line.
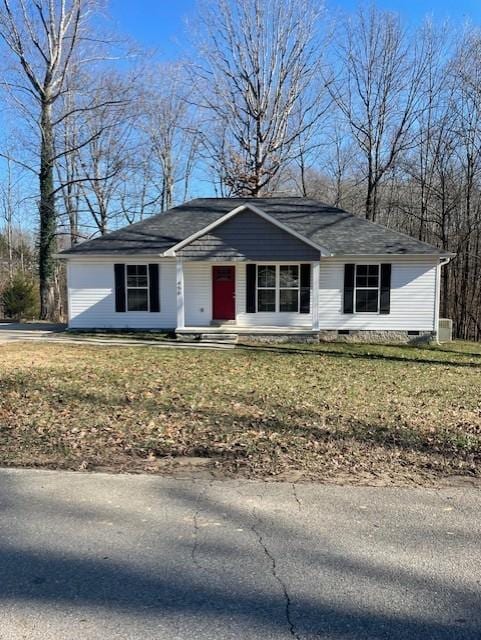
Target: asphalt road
[(94, 556)]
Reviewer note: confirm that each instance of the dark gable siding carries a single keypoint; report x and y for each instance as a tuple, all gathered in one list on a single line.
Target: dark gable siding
[(247, 236)]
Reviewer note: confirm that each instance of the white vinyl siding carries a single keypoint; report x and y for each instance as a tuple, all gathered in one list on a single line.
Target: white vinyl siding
[(92, 303), (91, 297), (198, 294), (413, 287)]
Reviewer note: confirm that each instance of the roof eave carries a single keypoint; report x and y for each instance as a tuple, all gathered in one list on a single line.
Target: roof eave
[(407, 254), (90, 254)]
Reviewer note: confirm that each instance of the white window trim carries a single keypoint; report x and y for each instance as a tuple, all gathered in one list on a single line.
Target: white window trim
[(138, 288), (368, 264), (277, 287)]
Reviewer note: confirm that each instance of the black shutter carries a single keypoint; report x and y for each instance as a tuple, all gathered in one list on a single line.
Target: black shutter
[(154, 287), (349, 270), (385, 301), (305, 305), (119, 272), (251, 273)]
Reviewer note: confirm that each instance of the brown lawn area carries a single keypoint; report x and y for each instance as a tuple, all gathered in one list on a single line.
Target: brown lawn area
[(343, 413)]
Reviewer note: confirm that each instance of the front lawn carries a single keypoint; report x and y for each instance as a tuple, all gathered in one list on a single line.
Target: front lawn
[(359, 413)]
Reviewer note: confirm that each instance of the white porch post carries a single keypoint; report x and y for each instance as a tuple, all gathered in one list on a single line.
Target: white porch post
[(180, 293), (315, 295)]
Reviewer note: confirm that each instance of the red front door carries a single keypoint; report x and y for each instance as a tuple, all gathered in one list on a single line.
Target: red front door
[(223, 291)]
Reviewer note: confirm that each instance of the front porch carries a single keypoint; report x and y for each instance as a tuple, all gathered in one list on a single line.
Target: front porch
[(205, 288)]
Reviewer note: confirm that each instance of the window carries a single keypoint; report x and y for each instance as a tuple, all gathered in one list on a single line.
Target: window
[(266, 288), (137, 287), (367, 288), (278, 288), (223, 274), (289, 288)]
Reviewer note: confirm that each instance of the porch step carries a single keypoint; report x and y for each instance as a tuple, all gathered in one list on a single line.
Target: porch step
[(222, 323), (219, 337)]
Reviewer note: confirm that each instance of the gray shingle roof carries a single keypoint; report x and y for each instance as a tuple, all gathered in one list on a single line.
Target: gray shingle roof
[(336, 230)]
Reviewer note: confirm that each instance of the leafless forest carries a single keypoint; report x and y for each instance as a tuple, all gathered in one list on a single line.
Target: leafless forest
[(264, 98)]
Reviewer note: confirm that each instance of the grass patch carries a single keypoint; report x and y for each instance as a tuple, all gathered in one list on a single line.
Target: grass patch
[(331, 411)]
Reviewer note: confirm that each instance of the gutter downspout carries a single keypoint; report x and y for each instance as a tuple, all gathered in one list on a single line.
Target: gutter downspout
[(437, 301)]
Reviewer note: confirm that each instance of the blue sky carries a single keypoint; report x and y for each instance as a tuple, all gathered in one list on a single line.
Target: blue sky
[(160, 23)]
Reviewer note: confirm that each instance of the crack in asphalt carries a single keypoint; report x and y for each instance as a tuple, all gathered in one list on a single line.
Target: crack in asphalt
[(195, 545), (296, 497), (277, 577), (195, 522), (260, 538)]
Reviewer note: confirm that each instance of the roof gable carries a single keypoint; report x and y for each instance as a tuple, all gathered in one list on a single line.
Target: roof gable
[(247, 236), (257, 212)]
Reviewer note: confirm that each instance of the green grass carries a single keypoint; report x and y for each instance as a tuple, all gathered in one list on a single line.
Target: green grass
[(343, 412)]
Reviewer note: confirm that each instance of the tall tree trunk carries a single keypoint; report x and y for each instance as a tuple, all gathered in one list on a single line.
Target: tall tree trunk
[(72, 212), (169, 182), (370, 202), (48, 220)]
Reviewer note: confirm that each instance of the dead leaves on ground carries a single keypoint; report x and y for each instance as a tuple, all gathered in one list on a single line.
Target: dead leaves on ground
[(263, 414)]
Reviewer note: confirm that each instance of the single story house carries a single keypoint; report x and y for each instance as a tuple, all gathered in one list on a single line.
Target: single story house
[(270, 267)]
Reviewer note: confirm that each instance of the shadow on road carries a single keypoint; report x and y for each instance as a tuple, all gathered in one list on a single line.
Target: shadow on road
[(174, 584)]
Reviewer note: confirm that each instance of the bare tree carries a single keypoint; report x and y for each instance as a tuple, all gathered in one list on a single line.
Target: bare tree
[(8, 204), (139, 195), (257, 60), (16, 247), (107, 158), (171, 131), (67, 167), (378, 78), (467, 107), (43, 36)]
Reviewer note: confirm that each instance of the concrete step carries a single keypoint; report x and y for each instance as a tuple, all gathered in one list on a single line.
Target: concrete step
[(219, 337)]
